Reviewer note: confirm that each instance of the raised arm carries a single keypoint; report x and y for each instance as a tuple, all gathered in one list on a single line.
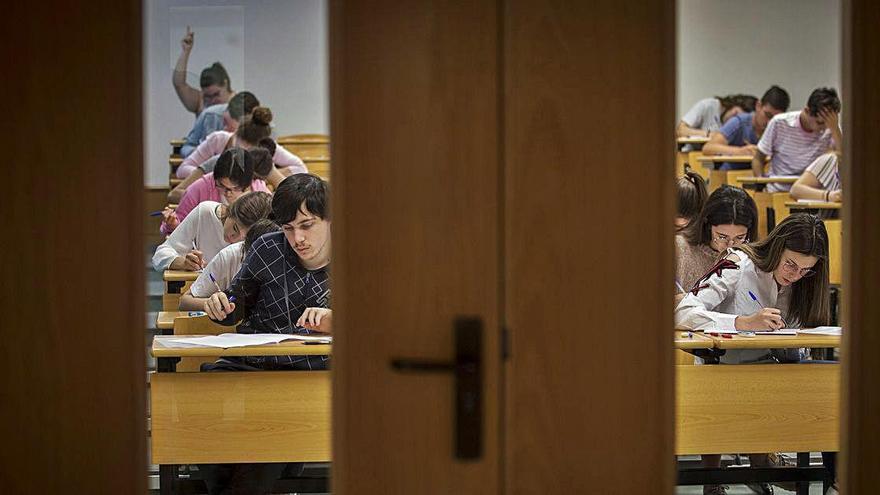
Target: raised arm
[(832, 121), (189, 96)]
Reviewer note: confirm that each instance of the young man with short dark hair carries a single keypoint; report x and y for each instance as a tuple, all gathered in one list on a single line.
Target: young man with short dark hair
[(793, 140), (740, 134)]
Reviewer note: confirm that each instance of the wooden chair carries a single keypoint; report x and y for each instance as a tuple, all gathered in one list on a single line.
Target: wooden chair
[(307, 146)]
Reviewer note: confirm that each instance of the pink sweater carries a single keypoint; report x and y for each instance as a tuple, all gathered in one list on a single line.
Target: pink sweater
[(215, 143), (203, 189)]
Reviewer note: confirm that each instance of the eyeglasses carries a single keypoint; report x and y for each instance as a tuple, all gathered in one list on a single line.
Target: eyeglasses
[(792, 268), (227, 190), (724, 239)]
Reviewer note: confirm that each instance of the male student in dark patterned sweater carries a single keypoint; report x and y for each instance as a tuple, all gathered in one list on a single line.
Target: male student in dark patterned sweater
[(283, 286)]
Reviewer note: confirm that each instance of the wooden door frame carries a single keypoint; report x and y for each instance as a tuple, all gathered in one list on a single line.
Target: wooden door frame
[(861, 263)]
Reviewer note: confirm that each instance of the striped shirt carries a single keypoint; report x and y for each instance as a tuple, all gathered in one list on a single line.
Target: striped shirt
[(790, 147), (826, 171)]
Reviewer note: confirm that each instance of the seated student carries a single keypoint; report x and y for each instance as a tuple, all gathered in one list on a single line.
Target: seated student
[(728, 220), (708, 114), (204, 232), (820, 181), (740, 134), (794, 139), (214, 81), (788, 274), (264, 169), (225, 116), (232, 177), (225, 265), (691, 197), (283, 286), (253, 128)]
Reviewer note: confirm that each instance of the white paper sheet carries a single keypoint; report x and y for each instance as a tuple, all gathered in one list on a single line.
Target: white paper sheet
[(229, 340), (822, 331), (782, 331)]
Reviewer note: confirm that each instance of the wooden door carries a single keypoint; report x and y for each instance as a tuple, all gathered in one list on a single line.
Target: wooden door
[(416, 231), (72, 399), (589, 93)]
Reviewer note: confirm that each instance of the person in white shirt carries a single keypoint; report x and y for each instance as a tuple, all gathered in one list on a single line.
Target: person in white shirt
[(223, 267), (708, 114), (212, 227), (787, 273)]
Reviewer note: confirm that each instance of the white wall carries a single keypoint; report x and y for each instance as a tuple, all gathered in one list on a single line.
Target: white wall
[(745, 46), (277, 49)]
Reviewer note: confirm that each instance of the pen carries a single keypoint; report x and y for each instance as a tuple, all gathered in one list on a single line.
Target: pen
[(679, 287), (215, 282), (761, 306), (156, 213)]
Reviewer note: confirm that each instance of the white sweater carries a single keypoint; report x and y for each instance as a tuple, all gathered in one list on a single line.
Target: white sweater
[(202, 227), (224, 266)]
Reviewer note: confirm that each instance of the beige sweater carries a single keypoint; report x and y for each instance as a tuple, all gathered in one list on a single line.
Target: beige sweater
[(692, 262)]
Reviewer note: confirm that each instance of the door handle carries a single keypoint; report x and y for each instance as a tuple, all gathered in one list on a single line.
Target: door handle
[(468, 371)]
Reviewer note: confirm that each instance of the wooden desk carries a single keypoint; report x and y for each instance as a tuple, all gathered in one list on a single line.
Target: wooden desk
[(319, 166), (688, 151), (165, 319), (759, 183), (307, 146), (776, 341), (176, 144), (717, 177), (812, 205), (234, 417), (176, 283), (697, 340), (757, 408)]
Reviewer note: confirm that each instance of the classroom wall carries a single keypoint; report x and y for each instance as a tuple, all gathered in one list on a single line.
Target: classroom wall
[(745, 46), (276, 49)]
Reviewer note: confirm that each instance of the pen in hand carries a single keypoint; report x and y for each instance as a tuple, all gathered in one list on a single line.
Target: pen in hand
[(761, 306)]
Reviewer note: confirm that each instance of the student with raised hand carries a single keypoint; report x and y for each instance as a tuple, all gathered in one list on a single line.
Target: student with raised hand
[(223, 116), (729, 219), (691, 197), (793, 140), (777, 282), (250, 132), (264, 168), (820, 181), (214, 80), (740, 134), (708, 114), (220, 271), (232, 177)]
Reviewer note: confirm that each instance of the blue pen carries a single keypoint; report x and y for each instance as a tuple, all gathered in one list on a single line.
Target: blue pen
[(215, 282), (761, 306), (156, 213)]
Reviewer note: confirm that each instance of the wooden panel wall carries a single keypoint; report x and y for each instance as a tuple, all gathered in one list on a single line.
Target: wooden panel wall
[(416, 236), (73, 380), (861, 176), (589, 105)]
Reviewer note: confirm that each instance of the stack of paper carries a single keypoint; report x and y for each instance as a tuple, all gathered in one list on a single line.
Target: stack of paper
[(229, 340), (822, 331)]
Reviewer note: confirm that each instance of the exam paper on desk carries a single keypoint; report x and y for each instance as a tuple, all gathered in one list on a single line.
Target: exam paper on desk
[(229, 340), (822, 331)]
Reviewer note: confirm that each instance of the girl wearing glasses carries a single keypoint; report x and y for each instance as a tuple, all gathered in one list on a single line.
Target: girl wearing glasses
[(232, 176), (728, 219), (781, 281)]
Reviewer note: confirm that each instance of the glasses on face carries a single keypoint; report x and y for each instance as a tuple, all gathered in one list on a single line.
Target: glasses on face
[(730, 241), (792, 268), (227, 190)]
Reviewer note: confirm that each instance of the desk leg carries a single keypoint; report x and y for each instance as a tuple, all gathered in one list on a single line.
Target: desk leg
[(167, 474), (803, 460)]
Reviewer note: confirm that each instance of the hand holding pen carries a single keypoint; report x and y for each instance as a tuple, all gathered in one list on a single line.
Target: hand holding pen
[(763, 319), (194, 261)]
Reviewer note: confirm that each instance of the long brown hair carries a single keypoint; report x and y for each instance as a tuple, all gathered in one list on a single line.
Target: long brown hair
[(802, 233)]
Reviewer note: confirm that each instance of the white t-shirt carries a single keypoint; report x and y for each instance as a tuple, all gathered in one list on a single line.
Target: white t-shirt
[(790, 147), (705, 114), (224, 266), (202, 227)]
